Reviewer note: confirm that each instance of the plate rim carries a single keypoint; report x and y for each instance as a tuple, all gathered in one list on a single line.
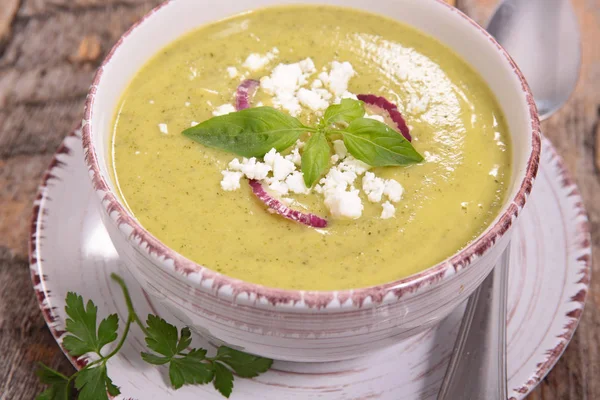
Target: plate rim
[(583, 245)]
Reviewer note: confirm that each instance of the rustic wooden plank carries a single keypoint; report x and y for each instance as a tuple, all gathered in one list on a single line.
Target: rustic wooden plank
[(42, 86)]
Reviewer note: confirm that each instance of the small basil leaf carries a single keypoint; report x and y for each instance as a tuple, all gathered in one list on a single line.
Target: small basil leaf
[(250, 133), (315, 158), (347, 111), (378, 145)]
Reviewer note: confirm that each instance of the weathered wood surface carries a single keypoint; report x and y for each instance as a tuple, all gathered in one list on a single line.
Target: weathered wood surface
[(48, 52)]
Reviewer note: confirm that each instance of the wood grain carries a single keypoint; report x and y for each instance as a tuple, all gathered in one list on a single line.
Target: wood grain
[(47, 60)]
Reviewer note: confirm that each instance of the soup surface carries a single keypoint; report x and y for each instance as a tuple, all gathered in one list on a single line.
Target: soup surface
[(173, 185)]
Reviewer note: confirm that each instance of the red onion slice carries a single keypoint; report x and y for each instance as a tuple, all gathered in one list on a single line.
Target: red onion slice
[(243, 93), (281, 209), (392, 110)]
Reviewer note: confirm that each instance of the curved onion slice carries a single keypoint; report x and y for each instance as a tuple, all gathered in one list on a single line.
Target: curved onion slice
[(243, 93), (386, 105), (281, 209)]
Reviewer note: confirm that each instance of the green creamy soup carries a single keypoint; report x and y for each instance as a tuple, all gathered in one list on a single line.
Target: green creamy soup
[(173, 185)]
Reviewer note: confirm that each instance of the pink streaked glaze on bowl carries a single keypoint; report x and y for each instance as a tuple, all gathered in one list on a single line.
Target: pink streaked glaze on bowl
[(307, 325)]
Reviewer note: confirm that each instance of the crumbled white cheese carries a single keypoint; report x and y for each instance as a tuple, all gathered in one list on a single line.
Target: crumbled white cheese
[(284, 82), (338, 77), (254, 170), (187, 104), (352, 164), (340, 149), (256, 61), (282, 167), (235, 165), (294, 157), (223, 110), (163, 128), (231, 180), (194, 123), (312, 99), (375, 117), (344, 204), (388, 210), (279, 187), (295, 182), (317, 83), (232, 72), (393, 190), (334, 159), (494, 171), (373, 187)]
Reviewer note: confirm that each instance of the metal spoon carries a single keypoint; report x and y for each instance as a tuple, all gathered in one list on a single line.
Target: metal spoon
[(543, 38)]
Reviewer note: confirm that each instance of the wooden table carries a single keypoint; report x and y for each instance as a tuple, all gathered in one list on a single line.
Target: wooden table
[(48, 52)]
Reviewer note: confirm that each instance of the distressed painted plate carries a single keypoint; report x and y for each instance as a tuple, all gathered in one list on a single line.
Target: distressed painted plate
[(549, 278)]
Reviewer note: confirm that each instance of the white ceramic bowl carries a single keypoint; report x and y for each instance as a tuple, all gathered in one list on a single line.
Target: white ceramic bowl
[(300, 325)]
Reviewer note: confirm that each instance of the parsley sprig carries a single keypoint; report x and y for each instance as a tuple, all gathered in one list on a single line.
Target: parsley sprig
[(186, 365)]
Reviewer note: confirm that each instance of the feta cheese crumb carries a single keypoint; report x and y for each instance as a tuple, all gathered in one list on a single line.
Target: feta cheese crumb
[(343, 203), (311, 99), (255, 61), (254, 170), (187, 104), (334, 159), (231, 180), (223, 110), (281, 166), (280, 188), (494, 171), (194, 123), (393, 190), (352, 164), (232, 72), (294, 157), (388, 211), (295, 182), (373, 187), (338, 77), (163, 128), (284, 82)]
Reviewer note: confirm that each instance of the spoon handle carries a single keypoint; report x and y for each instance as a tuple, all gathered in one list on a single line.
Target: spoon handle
[(477, 368)]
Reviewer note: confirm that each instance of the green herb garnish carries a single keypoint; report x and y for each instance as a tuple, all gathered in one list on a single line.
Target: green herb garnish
[(185, 366), (254, 131)]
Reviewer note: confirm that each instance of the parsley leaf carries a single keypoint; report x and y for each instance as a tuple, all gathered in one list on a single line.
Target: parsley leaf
[(244, 364), (223, 379), (184, 368), (94, 383), (81, 325), (60, 385), (315, 158), (190, 369), (161, 336)]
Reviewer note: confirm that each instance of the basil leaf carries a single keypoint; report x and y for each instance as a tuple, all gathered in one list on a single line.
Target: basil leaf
[(315, 158), (377, 144), (347, 111), (250, 133)]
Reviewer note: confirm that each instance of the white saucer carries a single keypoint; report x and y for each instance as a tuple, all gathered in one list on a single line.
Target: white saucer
[(549, 278)]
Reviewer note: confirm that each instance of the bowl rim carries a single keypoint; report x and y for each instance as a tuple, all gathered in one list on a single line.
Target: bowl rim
[(212, 282)]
